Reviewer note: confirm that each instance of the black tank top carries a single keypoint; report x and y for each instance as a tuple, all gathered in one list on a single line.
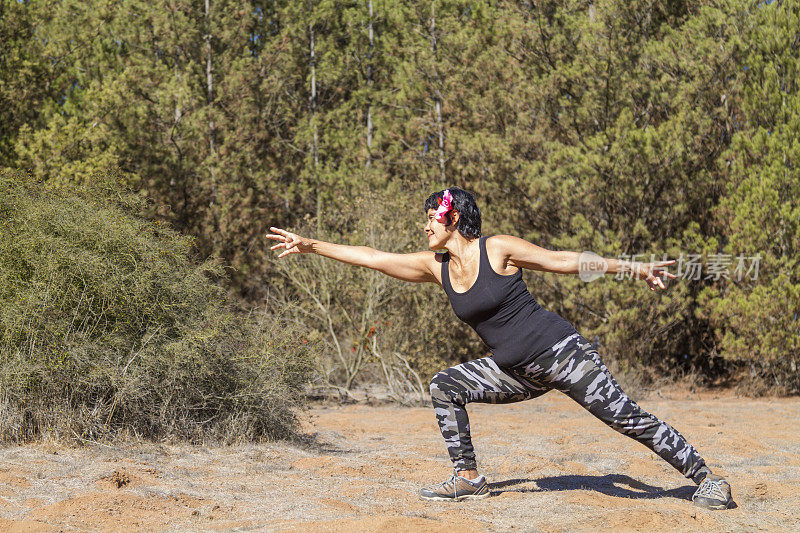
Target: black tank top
[(504, 314)]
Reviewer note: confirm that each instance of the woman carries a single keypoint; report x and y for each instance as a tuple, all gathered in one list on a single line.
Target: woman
[(533, 350)]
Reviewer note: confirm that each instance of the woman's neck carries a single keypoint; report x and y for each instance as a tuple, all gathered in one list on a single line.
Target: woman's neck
[(462, 250)]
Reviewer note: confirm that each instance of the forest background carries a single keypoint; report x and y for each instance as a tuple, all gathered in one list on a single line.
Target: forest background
[(147, 147)]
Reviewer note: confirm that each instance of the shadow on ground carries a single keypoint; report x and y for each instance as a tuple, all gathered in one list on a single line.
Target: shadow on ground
[(323, 444), (617, 485)]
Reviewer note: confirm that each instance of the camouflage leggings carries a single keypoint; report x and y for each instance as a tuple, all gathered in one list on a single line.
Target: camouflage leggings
[(572, 367)]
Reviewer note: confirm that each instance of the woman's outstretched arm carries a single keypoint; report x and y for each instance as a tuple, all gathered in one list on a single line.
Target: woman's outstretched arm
[(523, 254), (416, 267)]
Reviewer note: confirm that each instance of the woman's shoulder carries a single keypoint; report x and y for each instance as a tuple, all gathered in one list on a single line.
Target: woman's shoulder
[(498, 242), (499, 250)]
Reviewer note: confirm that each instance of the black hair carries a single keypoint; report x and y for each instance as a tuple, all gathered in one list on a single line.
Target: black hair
[(469, 220)]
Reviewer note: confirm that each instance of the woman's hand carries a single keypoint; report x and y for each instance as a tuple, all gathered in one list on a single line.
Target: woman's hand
[(654, 273), (293, 243)]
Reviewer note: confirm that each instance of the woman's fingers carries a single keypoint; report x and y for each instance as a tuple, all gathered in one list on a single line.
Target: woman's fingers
[(290, 248), (289, 251), (278, 230), (286, 239), (657, 274), (290, 243), (660, 273), (659, 269), (656, 281)]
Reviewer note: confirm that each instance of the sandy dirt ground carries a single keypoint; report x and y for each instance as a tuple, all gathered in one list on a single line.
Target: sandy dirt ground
[(552, 467)]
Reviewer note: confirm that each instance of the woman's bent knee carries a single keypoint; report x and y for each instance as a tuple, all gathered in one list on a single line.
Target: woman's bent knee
[(437, 383), (444, 389)]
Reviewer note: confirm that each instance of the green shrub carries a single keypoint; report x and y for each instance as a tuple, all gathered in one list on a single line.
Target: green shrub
[(108, 328), (755, 316)]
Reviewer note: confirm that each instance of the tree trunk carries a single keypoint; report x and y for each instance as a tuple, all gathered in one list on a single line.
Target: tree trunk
[(437, 101), (370, 81), (210, 100), (209, 80), (312, 104)]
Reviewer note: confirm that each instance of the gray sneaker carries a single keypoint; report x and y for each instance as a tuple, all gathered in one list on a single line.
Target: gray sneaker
[(457, 488), (713, 493)]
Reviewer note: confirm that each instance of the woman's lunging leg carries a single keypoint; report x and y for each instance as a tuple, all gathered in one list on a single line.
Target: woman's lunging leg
[(474, 381), (575, 368)]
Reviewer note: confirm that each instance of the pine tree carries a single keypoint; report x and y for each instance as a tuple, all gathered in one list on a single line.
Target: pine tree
[(29, 84), (755, 311)]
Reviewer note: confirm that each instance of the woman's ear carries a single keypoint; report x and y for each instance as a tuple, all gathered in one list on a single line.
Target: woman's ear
[(454, 217)]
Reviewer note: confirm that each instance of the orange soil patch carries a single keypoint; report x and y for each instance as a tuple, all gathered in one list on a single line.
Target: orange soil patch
[(551, 467)]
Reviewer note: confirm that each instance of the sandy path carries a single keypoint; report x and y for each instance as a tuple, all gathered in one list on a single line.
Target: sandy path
[(552, 466)]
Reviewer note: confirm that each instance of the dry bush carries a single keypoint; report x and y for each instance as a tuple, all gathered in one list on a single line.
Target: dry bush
[(107, 328)]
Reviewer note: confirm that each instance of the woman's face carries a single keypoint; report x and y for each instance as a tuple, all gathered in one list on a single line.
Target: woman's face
[(435, 231)]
